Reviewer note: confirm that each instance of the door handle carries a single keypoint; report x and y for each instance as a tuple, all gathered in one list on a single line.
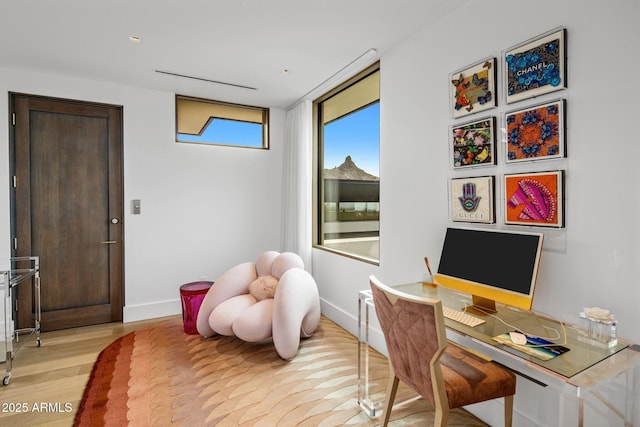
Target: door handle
[(114, 220), (109, 242)]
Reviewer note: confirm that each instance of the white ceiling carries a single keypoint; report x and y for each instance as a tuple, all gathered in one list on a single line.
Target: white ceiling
[(242, 42)]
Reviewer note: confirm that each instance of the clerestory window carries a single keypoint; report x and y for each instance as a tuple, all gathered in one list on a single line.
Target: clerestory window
[(221, 123)]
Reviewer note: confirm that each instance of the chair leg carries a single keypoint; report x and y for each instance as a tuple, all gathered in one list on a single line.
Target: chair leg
[(441, 417), (508, 410), (392, 388)]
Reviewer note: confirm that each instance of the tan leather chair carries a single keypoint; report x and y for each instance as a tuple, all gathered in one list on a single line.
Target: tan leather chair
[(446, 375)]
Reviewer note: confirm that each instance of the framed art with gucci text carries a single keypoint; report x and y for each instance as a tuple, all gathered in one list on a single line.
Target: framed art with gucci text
[(472, 199)]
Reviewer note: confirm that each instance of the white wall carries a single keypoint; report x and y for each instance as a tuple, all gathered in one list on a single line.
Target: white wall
[(590, 262), (204, 208), (593, 261)]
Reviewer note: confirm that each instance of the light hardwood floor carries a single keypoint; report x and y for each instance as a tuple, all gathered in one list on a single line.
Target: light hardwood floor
[(47, 382)]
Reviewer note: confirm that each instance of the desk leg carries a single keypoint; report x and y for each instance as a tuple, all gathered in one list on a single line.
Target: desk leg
[(373, 371), (619, 401), (371, 408), (580, 411)]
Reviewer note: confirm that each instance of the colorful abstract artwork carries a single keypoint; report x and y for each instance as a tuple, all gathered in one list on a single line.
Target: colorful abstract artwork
[(535, 133), (536, 67), (473, 143), (472, 199), (534, 199), (473, 88)]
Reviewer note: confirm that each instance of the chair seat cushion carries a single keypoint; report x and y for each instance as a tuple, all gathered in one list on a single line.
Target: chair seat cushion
[(470, 379)]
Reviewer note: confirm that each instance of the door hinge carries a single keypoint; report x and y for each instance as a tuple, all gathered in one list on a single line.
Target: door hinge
[(15, 181), (13, 118), (15, 243), (16, 305)]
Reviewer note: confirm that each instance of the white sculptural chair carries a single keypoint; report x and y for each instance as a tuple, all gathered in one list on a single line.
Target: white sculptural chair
[(230, 309)]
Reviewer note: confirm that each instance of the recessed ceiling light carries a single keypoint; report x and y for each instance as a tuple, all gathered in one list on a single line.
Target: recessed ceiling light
[(135, 39)]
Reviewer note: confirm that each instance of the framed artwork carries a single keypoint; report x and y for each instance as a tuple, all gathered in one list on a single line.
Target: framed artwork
[(473, 89), (536, 67), (535, 133), (473, 143), (472, 199), (534, 199)]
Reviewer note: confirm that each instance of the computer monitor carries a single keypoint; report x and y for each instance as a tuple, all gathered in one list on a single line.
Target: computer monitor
[(492, 266)]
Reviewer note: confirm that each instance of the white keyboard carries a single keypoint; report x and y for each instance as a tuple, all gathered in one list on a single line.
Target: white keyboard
[(461, 317)]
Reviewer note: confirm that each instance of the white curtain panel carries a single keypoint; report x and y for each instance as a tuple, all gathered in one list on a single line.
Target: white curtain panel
[(297, 182)]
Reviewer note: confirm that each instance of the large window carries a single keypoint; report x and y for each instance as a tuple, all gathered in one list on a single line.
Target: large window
[(211, 122), (347, 202)]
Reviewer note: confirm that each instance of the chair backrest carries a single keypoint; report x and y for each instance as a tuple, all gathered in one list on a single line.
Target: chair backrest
[(414, 331)]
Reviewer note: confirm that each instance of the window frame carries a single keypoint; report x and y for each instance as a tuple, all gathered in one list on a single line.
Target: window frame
[(249, 109), (318, 162)]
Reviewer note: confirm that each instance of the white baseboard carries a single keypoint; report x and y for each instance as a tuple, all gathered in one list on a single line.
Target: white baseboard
[(350, 323), (344, 319), (133, 313)]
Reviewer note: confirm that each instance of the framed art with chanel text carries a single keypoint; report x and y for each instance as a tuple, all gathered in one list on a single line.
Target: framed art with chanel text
[(536, 67)]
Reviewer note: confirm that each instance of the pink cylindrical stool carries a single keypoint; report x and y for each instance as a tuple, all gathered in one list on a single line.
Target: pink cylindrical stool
[(192, 295)]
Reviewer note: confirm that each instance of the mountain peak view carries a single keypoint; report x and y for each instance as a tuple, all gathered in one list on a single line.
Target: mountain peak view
[(349, 170)]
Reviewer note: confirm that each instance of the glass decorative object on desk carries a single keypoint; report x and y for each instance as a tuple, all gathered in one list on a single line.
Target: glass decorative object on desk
[(601, 327)]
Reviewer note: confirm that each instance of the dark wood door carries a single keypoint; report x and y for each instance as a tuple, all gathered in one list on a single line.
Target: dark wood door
[(68, 208)]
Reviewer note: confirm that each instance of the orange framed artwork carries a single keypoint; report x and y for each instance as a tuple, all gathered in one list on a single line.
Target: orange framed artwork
[(536, 133), (535, 199)]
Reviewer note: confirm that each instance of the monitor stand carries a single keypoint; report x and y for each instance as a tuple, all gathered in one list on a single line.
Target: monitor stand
[(481, 306)]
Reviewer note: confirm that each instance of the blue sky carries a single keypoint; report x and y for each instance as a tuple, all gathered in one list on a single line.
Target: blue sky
[(230, 132), (353, 136)]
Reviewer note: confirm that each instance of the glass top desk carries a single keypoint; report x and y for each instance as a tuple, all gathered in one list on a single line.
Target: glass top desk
[(583, 366)]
